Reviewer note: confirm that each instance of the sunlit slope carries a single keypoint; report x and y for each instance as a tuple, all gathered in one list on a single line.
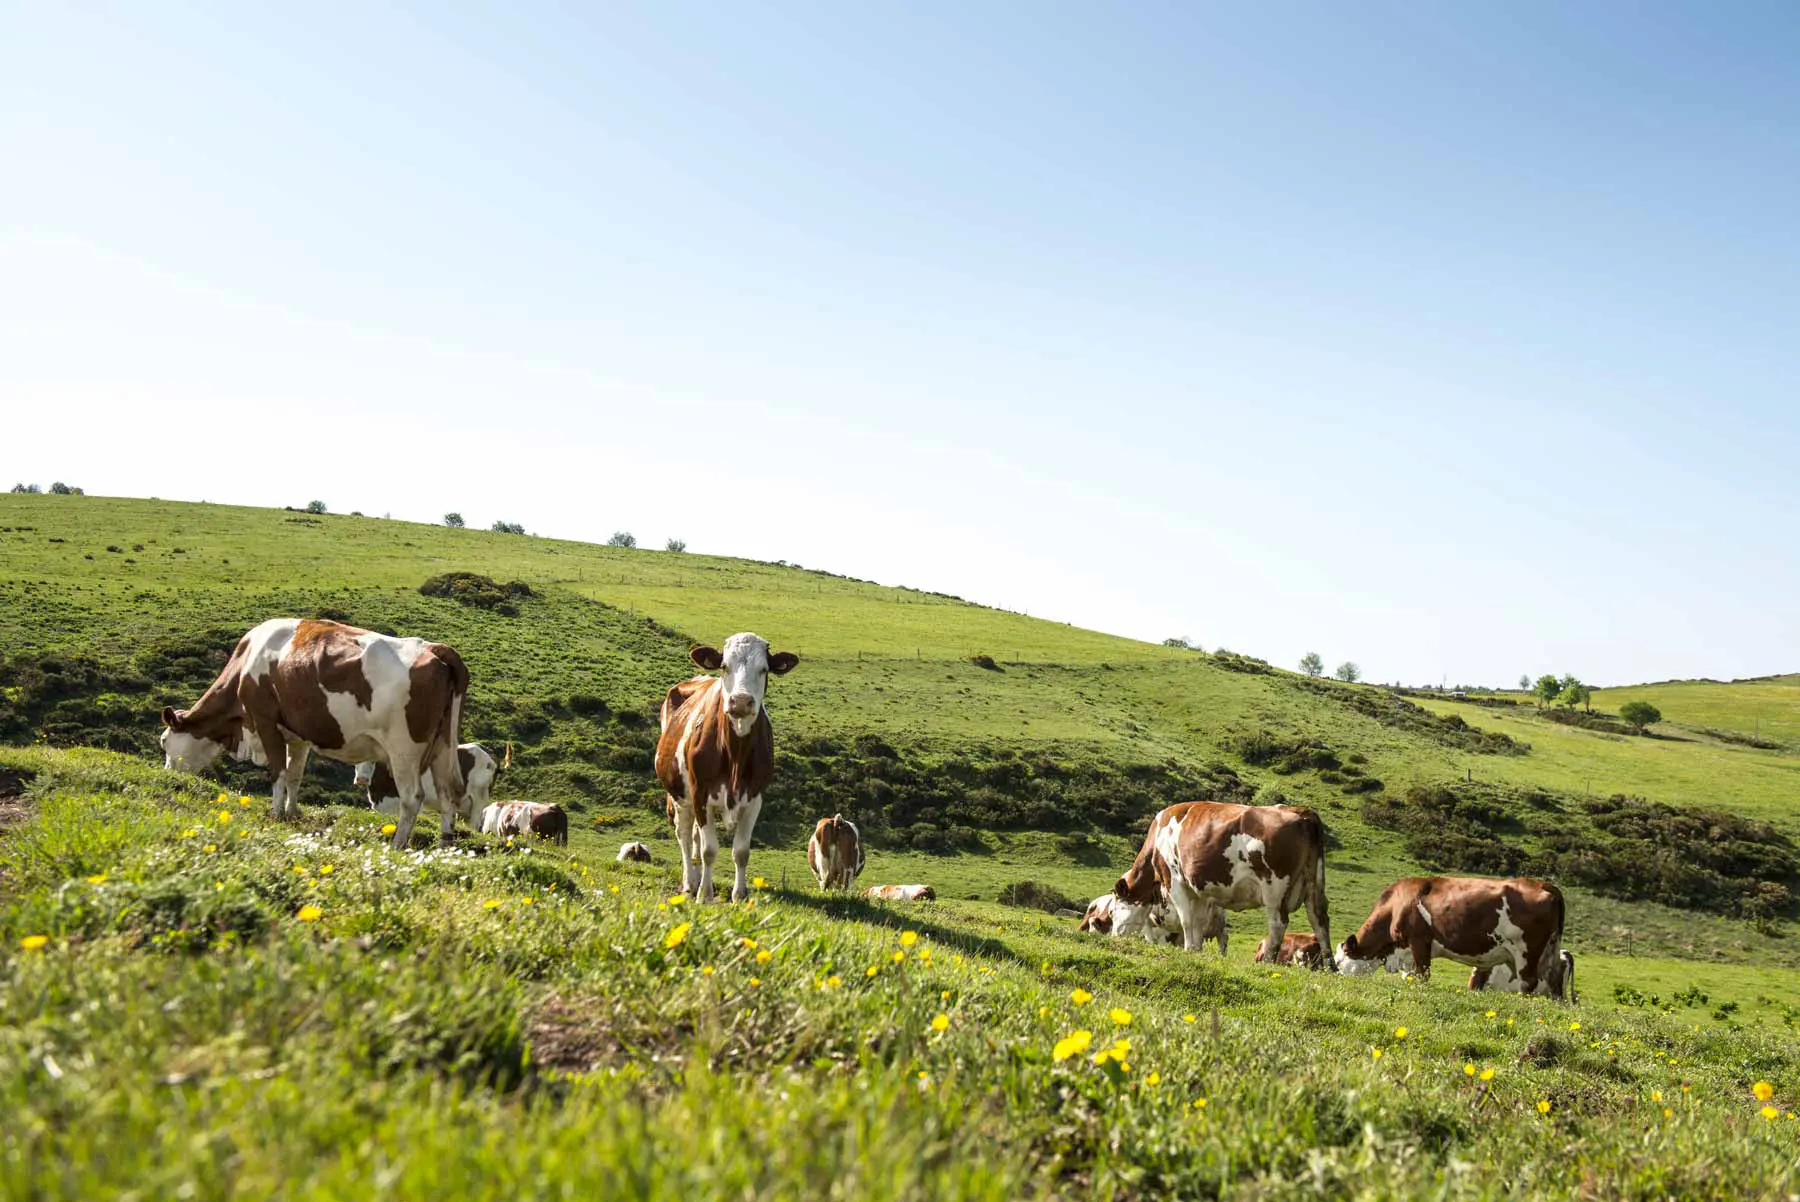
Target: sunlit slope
[(1766, 708)]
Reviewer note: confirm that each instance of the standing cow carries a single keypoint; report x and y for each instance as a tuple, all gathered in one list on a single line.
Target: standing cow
[(1509, 931), (1202, 855), (835, 853), (294, 685), (716, 756)]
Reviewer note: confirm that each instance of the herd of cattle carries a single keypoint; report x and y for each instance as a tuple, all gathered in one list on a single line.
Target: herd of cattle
[(393, 707)]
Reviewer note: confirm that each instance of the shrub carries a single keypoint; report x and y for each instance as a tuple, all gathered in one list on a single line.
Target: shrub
[(1639, 714), (985, 661), (1312, 664), (1348, 672), (26, 488), (454, 520), (480, 592), (676, 545), (507, 528), (622, 538), (315, 507), (1034, 896), (64, 490)]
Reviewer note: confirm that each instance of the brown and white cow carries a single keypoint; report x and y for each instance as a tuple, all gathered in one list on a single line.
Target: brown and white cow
[(545, 820), (717, 755), (1304, 951), (901, 892), (1205, 854), (1510, 931), (294, 685), (479, 769), (634, 853), (1109, 914), (835, 853)]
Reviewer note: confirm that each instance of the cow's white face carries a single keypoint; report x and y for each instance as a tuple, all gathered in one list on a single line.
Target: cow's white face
[(1351, 964), (188, 753), (1129, 918), (744, 668)]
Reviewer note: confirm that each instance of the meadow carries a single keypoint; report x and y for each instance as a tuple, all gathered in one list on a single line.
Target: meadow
[(415, 1035)]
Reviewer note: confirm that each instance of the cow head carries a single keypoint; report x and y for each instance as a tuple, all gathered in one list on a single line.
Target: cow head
[(1099, 916), (744, 668), (188, 751), (1353, 959)]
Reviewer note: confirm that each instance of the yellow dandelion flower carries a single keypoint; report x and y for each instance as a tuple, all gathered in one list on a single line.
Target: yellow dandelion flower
[(678, 899), (310, 914), (759, 883), (1081, 997), (1763, 1091), (1574, 1026), (224, 816), (1374, 1053), (941, 1023), (1656, 1095), (32, 943), (1487, 1074), (1399, 1032), (1492, 1013), (1769, 1112), (326, 869), (898, 956), (1121, 1048), (676, 934), (1509, 1022), (872, 970), (706, 970), (755, 981), (833, 981), (1190, 1018), (1468, 1070), (244, 802), (1121, 1018), (1543, 1106), (210, 848), (99, 878), (1152, 1078), (222, 799), (908, 938), (945, 995), (1101, 1057), (389, 829), (1199, 1103), (764, 956), (1072, 1044), (492, 903), (527, 900), (614, 888), (1042, 1010), (747, 942)]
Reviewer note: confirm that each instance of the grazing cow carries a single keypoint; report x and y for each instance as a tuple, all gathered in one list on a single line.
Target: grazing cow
[(1510, 931), (835, 852), (1108, 914), (1304, 951), (635, 852), (478, 770), (1202, 855), (294, 685), (545, 820), (716, 756), (901, 892)]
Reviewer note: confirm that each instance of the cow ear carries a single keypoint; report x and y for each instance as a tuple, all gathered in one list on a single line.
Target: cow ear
[(783, 661), (708, 658), (1120, 890), (170, 718)]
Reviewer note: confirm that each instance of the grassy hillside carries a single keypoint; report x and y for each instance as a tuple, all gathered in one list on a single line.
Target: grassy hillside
[(204, 1003), (1041, 762), (1767, 708)]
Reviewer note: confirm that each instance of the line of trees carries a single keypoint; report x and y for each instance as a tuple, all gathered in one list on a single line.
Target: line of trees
[(59, 489), (1313, 664), (1567, 691), (620, 538)]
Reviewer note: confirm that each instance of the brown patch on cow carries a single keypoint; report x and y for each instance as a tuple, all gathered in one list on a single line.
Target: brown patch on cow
[(1299, 949), (834, 834), (1464, 918), (465, 759), (709, 658), (716, 755), (1098, 917), (219, 714), (550, 822)]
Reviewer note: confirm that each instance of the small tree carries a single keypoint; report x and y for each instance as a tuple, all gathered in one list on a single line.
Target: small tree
[(622, 538), (26, 488), (63, 490), (1639, 714), (1546, 689), (315, 507), (1574, 693), (507, 528), (1525, 682), (1312, 664), (454, 521), (1348, 672), (675, 545)]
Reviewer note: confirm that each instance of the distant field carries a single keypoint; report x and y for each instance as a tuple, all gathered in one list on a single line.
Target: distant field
[(1768, 708)]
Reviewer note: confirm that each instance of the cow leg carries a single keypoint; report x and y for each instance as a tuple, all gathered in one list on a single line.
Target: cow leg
[(1421, 956), (740, 848), (296, 766), (412, 796), (684, 839), (1190, 910), (274, 749), (709, 851), (1277, 928), (1219, 917), (444, 769), (1478, 979), (1319, 915)]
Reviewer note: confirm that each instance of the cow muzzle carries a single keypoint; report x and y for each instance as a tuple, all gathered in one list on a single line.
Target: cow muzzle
[(741, 705)]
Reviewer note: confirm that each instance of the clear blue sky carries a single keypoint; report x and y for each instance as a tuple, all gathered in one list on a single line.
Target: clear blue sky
[(1459, 340)]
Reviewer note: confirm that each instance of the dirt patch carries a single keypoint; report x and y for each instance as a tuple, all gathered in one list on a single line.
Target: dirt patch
[(568, 1039), (13, 807)]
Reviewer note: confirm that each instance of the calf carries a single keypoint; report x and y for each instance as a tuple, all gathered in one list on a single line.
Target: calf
[(1510, 931), (1202, 855), (478, 770), (546, 821), (634, 852), (1304, 951), (901, 892), (835, 852), (1109, 914), (716, 755), (296, 685)]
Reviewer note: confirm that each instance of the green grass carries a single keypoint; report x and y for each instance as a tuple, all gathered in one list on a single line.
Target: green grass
[(501, 1022), (1768, 708)]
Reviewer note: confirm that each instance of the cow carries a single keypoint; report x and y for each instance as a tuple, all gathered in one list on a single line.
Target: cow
[(901, 892), (835, 853), (296, 685), (1110, 915), (633, 852), (546, 821), (1509, 931), (1201, 855), (1304, 951), (716, 755), (478, 770)]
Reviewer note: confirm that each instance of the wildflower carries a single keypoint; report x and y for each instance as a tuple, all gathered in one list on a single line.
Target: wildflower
[(1121, 1048), (1042, 1010), (755, 981), (1399, 1032), (224, 816), (1509, 1022), (759, 883), (941, 1023), (1199, 1103), (99, 878), (1375, 1053), (1072, 1044), (32, 943), (1656, 1095), (908, 938), (492, 903), (1492, 1013), (1121, 1018), (389, 829), (1190, 1018), (898, 956), (764, 956), (1763, 1091), (873, 969), (1153, 1078), (310, 914), (747, 942), (1468, 1070), (222, 799), (526, 900), (1081, 997), (244, 801), (678, 899), (614, 888), (946, 997), (1574, 1026), (1487, 1074), (326, 870), (1770, 1113), (676, 934), (210, 848), (706, 970), (833, 981), (1543, 1106)]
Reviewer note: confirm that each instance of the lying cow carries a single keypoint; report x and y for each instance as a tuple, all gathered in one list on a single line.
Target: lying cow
[(716, 756), (1109, 914), (546, 821), (1202, 856), (1302, 951), (478, 770), (901, 892), (1510, 931), (296, 685), (834, 853), (633, 852)]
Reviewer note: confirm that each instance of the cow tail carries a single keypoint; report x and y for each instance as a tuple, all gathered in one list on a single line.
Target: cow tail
[(1553, 968)]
